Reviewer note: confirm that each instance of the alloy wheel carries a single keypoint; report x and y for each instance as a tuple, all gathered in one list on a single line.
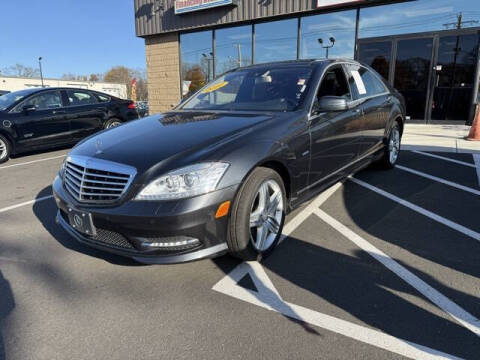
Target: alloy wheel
[(266, 215), (114, 124), (3, 149), (394, 145)]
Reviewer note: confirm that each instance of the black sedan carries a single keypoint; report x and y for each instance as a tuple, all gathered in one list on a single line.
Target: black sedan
[(219, 172), (35, 119)]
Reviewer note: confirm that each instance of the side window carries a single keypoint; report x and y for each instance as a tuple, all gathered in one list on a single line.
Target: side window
[(364, 82), (76, 97), (334, 83), (45, 101), (103, 98)]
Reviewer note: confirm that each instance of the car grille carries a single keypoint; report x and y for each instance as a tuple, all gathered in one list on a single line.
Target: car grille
[(112, 238), (96, 181)]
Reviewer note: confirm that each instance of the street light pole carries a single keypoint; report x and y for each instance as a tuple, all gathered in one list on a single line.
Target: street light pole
[(41, 74), (327, 47)]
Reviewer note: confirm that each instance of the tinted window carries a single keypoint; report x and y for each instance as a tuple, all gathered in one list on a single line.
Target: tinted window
[(76, 98), (363, 82), (334, 83), (262, 89), (233, 48), (339, 25), (276, 40), (45, 101), (103, 98)]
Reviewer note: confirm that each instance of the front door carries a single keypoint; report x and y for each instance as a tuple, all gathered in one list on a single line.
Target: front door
[(45, 124), (454, 77), (413, 67)]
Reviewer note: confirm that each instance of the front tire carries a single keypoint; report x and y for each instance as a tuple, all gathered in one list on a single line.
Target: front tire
[(258, 215), (112, 123), (392, 149), (5, 149)]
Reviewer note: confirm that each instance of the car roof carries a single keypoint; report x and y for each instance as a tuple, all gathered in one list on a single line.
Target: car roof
[(294, 63)]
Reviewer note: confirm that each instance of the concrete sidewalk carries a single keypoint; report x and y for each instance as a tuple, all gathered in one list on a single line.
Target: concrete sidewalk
[(446, 138)]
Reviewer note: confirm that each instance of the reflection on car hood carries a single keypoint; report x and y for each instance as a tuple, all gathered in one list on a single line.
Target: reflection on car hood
[(144, 143)]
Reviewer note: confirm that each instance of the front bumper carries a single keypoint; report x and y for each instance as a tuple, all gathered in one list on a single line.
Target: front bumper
[(133, 228)]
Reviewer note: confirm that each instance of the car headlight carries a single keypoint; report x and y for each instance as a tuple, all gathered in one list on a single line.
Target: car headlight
[(186, 182)]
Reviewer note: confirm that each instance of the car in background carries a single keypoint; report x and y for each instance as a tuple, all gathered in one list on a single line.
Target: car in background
[(3, 92), (220, 171), (34, 119), (143, 108)]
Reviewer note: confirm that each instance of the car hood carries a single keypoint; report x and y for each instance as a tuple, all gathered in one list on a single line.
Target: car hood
[(147, 142)]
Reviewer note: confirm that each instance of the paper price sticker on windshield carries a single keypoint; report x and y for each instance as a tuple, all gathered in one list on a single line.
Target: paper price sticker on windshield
[(359, 82), (215, 87)]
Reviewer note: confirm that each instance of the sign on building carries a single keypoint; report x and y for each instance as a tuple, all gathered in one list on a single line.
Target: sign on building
[(184, 6)]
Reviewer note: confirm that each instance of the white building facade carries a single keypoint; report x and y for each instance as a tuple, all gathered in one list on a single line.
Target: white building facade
[(10, 83)]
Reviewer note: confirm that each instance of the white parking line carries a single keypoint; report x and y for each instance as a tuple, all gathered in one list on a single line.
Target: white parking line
[(32, 162), (464, 230), (476, 159), (459, 314), (440, 180), (444, 158), (8, 208), (268, 298)]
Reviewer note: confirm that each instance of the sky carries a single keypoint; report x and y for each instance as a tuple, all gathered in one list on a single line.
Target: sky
[(72, 36)]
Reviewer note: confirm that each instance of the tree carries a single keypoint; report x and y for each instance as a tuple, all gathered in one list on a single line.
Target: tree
[(124, 75), (21, 70), (197, 76), (69, 76), (94, 78)]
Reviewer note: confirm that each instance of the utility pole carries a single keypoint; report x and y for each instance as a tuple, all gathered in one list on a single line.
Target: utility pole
[(41, 74), (460, 23), (239, 55)]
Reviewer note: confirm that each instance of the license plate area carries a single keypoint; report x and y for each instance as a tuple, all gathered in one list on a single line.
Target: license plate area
[(81, 221)]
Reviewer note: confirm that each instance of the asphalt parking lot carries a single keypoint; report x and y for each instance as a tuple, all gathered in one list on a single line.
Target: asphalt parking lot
[(383, 266)]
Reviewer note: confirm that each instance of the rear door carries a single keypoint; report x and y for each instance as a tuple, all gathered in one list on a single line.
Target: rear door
[(85, 112), (334, 135), (46, 124), (376, 104)]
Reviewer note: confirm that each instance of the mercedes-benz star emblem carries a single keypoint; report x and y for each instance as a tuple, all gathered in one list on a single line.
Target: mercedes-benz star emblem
[(98, 145), (78, 221)]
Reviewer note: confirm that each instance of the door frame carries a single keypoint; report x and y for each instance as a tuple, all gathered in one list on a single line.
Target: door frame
[(435, 35)]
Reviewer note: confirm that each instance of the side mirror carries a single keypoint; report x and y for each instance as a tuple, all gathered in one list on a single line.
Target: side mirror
[(332, 103), (29, 108)]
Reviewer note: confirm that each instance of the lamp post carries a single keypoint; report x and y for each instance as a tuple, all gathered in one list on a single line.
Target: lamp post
[(40, 65), (327, 47), (209, 59)]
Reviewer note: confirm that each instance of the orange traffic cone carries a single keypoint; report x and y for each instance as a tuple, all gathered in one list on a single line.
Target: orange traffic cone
[(474, 134)]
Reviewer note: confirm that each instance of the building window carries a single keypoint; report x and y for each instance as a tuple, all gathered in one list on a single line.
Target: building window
[(197, 60), (418, 16), (378, 55), (276, 40), (339, 27), (233, 48)]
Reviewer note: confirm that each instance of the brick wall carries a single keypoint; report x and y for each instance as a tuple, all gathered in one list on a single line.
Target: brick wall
[(163, 71)]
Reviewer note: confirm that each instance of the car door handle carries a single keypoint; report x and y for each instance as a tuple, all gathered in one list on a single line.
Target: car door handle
[(59, 112)]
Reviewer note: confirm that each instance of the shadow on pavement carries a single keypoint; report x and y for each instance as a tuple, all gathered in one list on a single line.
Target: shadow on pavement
[(7, 304), (46, 212)]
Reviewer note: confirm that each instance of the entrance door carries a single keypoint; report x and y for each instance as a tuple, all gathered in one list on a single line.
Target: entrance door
[(454, 77), (412, 74)]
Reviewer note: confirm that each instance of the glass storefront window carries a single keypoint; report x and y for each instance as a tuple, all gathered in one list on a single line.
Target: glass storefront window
[(377, 55), (276, 40), (340, 26), (418, 16), (197, 60), (233, 48)]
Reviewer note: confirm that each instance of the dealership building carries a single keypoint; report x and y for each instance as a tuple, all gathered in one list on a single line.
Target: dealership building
[(427, 49)]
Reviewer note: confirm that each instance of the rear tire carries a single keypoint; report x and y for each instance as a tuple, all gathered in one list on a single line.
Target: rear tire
[(257, 217), (5, 149), (392, 149), (113, 122)]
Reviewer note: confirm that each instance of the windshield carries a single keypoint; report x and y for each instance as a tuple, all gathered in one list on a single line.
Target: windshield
[(8, 99), (256, 89)]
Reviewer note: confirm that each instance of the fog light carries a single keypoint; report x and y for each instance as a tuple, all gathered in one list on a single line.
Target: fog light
[(181, 242)]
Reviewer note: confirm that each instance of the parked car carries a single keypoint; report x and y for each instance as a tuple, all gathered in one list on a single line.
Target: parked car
[(219, 172), (36, 118), (142, 108), (3, 92)]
